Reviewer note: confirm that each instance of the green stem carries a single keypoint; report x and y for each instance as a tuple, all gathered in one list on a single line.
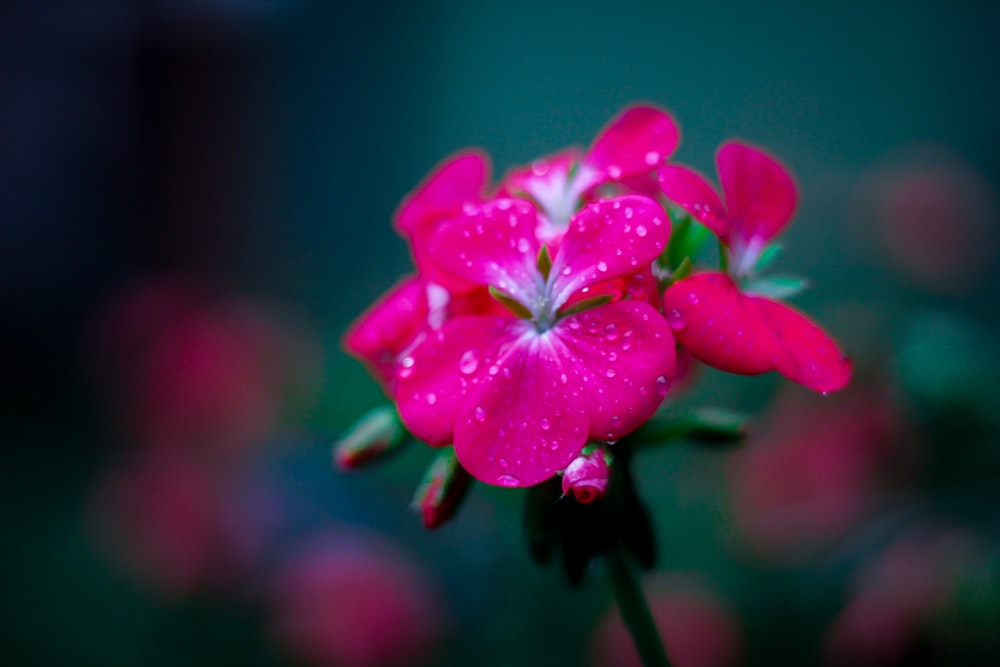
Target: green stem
[(635, 611)]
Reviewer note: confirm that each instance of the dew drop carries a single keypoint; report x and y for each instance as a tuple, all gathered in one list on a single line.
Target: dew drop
[(563, 378), (628, 212), (614, 171), (508, 480), (544, 424), (676, 320), (610, 373), (662, 386), (693, 298), (504, 463), (494, 369), (432, 399), (479, 414), (523, 245), (602, 266), (640, 230), (652, 157), (469, 362)]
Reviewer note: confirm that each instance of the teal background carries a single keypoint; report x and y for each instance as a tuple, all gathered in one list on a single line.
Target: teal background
[(264, 146)]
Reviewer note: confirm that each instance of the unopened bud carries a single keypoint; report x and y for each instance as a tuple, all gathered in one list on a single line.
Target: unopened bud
[(442, 489), (373, 436), (586, 477)]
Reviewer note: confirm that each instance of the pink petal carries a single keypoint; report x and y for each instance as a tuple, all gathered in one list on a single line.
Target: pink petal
[(692, 192), (634, 143), (760, 194), (748, 335), (386, 329), (433, 380), (812, 358), (493, 244), (620, 359), (713, 321), (460, 179), (520, 425), (606, 240)]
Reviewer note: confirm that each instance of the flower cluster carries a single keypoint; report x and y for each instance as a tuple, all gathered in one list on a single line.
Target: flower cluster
[(547, 312)]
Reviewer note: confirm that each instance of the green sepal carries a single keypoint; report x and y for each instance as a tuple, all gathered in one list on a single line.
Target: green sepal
[(767, 256), (544, 262), (703, 426), (510, 303), (777, 287), (586, 304)]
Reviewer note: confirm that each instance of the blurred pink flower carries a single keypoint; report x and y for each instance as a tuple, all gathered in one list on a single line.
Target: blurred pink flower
[(937, 217), (811, 477), (347, 601), (195, 369), (895, 596), (174, 526), (697, 628)]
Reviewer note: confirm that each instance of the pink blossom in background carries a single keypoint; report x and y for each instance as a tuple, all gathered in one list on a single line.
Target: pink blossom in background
[(173, 526), (344, 600), (697, 628), (895, 598), (712, 315), (519, 397), (195, 369), (625, 153), (812, 475), (936, 216)]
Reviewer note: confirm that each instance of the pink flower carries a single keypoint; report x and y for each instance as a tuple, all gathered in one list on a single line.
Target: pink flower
[(586, 477), (712, 316), (344, 602), (626, 151), (519, 397)]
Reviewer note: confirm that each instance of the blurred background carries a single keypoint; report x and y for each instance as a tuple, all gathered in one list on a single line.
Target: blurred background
[(195, 202)]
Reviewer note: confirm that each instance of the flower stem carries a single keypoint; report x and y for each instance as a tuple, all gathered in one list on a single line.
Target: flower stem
[(635, 611)]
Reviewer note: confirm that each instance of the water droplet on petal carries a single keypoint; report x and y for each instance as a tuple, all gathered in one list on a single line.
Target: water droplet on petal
[(508, 480), (610, 373), (693, 298), (432, 399), (523, 245), (662, 386), (652, 157), (544, 424), (469, 362), (611, 332), (628, 212), (676, 320), (640, 230), (563, 378), (614, 171), (602, 266), (479, 414)]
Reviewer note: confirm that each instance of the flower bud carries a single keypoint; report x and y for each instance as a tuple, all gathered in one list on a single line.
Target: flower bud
[(586, 477), (442, 489), (373, 436)]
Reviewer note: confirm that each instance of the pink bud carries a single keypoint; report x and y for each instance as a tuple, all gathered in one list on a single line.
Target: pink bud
[(586, 477), (442, 490)]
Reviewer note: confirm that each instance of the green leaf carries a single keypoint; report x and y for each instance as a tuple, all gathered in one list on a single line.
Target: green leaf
[(777, 287)]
